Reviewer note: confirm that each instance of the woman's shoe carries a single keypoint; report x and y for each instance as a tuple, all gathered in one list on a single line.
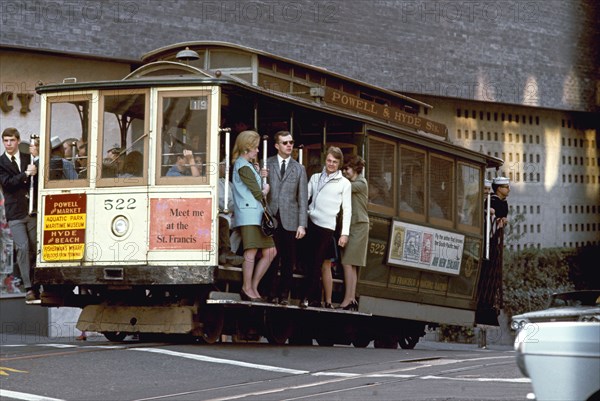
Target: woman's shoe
[(246, 297), (352, 306)]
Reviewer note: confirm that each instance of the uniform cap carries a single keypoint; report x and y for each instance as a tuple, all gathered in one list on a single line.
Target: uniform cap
[(501, 181), (55, 142), (487, 183)]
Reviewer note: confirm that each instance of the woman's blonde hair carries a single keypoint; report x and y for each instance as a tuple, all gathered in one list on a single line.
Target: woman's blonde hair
[(246, 140)]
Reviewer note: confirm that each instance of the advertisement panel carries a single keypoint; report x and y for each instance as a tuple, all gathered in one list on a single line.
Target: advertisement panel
[(425, 248)]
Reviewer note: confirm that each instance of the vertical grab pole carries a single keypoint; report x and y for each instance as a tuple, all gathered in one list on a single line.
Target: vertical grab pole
[(73, 152), (265, 138), (300, 153), (227, 132), (488, 227), (32, 138)]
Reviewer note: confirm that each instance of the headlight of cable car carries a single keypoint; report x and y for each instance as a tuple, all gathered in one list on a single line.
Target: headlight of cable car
[(120, 226)]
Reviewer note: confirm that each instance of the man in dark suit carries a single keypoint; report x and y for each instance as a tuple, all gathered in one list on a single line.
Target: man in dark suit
[(16, 173), (288, 200)]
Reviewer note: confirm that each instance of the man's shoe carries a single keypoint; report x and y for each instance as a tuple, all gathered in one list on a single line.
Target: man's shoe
[(31, 296), (235, 260), (284, 302), (315, 304), (304, 303), (273, 300)]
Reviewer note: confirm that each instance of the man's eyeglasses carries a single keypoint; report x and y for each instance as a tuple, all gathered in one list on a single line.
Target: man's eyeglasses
[(287, 142)]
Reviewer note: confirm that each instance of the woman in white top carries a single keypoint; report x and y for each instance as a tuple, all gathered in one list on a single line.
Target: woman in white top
[(327, 192)]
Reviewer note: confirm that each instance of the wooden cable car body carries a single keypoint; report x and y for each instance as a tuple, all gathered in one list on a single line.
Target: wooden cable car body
[(133, 238)]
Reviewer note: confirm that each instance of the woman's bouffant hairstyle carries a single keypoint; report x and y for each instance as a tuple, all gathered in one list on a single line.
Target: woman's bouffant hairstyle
[(355, 162), (245, 141)]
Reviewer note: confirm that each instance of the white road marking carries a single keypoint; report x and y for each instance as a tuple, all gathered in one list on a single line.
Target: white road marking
[(329, 373), (223, 361), (478, 379), (25, 396)]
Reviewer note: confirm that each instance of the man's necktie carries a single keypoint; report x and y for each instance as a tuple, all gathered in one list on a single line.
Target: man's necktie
[(282, 168), (14, 162)]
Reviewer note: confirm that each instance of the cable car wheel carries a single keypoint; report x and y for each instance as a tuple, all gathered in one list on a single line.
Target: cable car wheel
[(211, 322), (278, 327), (361, 341), (115, 336), (408, 342)]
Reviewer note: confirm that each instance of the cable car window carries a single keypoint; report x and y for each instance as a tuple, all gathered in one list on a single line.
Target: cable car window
[(469, 198), (412, 181), (380, 172), (69, 123), (123, 138), (183, 121), (228, 59), (440, 188)]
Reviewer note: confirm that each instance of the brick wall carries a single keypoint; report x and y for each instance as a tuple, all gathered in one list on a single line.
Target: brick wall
[(537, 53)]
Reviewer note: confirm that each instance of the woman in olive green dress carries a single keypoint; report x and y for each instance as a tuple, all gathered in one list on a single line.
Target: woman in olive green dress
[(354, 254)]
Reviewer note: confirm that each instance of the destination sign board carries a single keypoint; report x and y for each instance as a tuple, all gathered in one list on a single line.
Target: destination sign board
[(389, 114), (64, 227)]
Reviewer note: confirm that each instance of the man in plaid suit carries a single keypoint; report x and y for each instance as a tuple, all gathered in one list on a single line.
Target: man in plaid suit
[(288, 201)]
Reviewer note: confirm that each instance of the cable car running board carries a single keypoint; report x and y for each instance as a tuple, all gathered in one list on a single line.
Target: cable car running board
[(233, 299)]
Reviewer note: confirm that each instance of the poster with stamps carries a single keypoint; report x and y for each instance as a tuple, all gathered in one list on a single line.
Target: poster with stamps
[(397, 242), (425, 248)]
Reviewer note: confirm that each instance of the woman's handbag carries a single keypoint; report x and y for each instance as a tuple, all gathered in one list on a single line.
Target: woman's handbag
[(267, 223)]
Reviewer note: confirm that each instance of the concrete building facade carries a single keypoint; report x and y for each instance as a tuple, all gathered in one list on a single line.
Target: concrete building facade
[(515, 79)]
